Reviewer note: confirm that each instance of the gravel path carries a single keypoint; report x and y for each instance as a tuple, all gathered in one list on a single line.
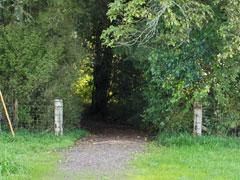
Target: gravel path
[(102, 156)]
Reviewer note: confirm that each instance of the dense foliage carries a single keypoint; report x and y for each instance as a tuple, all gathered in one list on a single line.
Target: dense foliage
[(131, 60), (193, 55), (40, 60)]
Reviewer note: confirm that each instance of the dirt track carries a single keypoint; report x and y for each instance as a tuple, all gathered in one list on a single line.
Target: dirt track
[(104, 155)]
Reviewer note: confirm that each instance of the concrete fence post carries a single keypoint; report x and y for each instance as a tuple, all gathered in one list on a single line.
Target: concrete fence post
[(197, 119), (58, 117)]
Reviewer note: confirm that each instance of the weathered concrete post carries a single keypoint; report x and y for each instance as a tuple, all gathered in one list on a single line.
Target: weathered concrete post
[(58, 116), (197, 129)]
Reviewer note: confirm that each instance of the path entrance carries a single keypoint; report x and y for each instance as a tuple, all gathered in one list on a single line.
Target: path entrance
[(104, 154)]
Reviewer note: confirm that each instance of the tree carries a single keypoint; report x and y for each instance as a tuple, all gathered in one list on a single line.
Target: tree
[(93, 21), (190, 43), (40, 59), (102, 60)]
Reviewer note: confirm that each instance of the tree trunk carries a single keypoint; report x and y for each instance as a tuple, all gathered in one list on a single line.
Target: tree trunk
[(102, 74), (102, 61)]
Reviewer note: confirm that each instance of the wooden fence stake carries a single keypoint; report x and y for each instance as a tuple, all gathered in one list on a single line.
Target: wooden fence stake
[(6, 113)]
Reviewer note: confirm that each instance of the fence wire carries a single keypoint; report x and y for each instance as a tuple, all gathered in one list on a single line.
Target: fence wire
[(37, 117)]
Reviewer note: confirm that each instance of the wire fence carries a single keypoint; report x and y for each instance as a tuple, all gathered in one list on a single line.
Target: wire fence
[(34, 116)]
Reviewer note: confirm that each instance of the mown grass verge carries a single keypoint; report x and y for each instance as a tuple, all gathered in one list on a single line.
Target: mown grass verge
[(183, 157), (32, 155)]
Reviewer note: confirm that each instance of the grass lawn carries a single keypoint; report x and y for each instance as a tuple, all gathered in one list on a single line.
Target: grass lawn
[(32, 155), (185, 157)]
